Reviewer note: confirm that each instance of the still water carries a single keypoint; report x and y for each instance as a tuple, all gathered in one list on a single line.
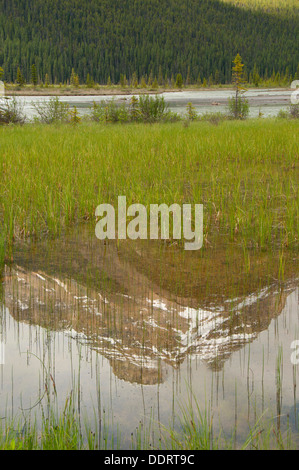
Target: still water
[(138, 329), (263, 102)]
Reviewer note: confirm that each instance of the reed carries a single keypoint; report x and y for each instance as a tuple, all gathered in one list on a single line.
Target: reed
[(63, 431), (244, 173)]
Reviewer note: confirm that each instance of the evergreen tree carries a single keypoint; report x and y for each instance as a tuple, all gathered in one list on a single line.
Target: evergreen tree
[(142, 82), (287, 76), (179, 81), (47, 81), (74, 80), (20, 79), (191, 112), (238, 74), (188, 76), (155, 84), (34, 79), (89, 81), (74, 116), (160, 76), (277, 78), (255, 76), (150, 80), (134, 81), (122, 80), (238, 105)]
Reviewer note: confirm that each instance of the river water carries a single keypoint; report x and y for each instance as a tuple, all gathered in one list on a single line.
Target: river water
[(262, 102)]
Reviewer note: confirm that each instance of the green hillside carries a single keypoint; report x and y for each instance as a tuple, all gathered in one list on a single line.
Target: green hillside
[(267, 5), (105, 38)]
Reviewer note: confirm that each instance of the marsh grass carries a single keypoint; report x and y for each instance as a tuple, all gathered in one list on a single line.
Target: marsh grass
[(195, 431), (244, 173), (57, 431), (49, 426), (67, 430)]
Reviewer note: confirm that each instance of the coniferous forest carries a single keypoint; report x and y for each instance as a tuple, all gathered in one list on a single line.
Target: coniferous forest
[(106, 40)]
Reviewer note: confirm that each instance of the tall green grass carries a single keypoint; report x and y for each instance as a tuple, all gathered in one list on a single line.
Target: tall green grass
[(65, 431), (244, 173)]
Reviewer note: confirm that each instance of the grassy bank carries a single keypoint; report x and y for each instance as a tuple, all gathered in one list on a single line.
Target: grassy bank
[(244, 173)]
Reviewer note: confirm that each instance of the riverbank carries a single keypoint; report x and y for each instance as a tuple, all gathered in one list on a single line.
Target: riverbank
[(81, 91), (102, 90)]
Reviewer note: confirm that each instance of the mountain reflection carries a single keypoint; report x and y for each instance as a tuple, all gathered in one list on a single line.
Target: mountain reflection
[(137, 323)]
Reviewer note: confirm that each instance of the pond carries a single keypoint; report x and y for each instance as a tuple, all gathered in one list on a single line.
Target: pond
[(137, 330)]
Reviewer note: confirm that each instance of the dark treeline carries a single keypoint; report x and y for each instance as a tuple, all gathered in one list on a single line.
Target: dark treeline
[(105, 40)]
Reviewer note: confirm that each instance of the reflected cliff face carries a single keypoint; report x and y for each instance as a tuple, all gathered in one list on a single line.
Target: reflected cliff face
[(141, 306)]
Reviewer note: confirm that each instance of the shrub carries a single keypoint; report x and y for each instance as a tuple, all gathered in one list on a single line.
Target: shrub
[(213, 118), (291, 113), (74, 116), (97, 112), (142, 109), (238, 108), (283, 114), (11, 111), (191, 112), (52, 111), (115, 113), (134, 109), (152, 109), (294, 111)]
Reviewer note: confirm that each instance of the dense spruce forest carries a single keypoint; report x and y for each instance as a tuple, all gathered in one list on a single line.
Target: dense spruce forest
[(107, 40)]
